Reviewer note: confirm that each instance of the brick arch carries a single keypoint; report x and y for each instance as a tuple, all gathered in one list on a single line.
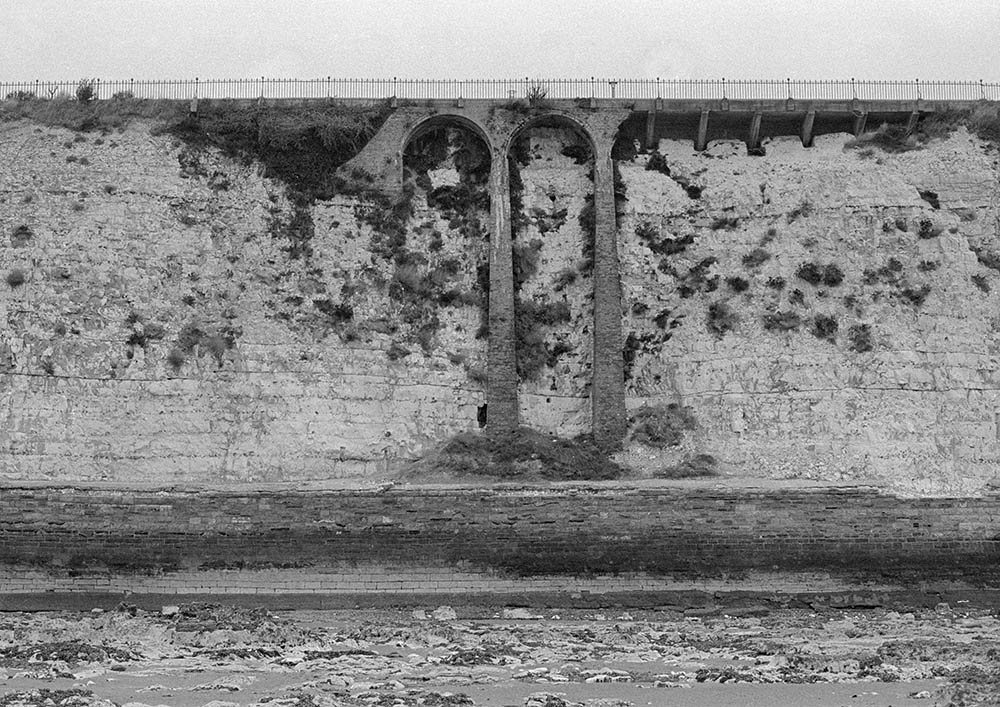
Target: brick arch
[(443, 120), (549, 117)]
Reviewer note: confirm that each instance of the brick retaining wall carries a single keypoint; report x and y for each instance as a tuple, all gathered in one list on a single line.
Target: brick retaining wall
[(505, 531)]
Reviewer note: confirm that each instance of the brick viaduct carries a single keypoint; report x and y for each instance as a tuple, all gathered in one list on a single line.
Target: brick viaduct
[(601, 123)]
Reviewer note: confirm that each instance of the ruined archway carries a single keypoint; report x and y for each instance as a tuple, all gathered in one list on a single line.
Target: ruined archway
[(551, 169), (442, 276)]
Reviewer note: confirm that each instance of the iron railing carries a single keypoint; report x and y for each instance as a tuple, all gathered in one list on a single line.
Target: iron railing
[(367, 90)]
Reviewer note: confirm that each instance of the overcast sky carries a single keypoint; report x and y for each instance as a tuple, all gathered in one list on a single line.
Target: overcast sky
[(883, 39)]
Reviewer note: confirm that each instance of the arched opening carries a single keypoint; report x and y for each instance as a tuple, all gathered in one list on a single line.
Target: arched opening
[(441, 275), (551, 172)]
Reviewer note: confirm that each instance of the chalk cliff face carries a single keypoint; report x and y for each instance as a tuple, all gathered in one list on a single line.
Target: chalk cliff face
[(170, 326), (822, 317), (181, 319)]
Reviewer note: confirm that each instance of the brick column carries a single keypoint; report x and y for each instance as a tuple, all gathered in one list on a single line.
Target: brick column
[(501, 383), (607, 392)]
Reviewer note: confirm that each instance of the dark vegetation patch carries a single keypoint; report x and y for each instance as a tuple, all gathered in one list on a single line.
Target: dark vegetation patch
[(928, 265), (720, 319), (649, 234), (824, 326), (782, 321), (691, 466), (860, 338), (634, 344), (727, 223), (888, 274), (982, 121), (21, 236), (914, 295), (755, 258), (661, 425), (830, 275), (192, 338), (737, 283), (525, 455), (695, 280), (303, 146), (532, 320), (987, 258), (658, 163), (928, 229), (981, 281), (16, 278), (803, 210), (776, 283), (665, 319), (797, 297)]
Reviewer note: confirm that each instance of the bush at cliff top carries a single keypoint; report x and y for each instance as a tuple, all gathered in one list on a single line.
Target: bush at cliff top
[(525, 455), (301, 145)]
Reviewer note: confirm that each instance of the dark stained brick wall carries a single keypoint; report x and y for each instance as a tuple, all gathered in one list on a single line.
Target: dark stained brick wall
[(524, 531)]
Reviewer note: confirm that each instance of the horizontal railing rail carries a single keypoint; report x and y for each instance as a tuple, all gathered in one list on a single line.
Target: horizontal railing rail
[(511, 89)]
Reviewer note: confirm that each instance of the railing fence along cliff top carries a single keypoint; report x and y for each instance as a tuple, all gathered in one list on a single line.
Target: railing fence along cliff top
[(512, 89)]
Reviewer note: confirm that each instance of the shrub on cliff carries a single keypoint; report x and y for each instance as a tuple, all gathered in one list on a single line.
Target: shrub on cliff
[(690, 467), (301, 145), (661, 425), (525, 455)]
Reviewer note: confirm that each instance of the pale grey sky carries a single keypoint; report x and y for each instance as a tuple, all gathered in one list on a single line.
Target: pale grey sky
[(874, 39)]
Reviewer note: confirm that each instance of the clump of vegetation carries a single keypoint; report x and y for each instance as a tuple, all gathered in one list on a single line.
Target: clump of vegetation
[(696, 279), (889, 273), (914, 295), (737, 284), (891, 138), (860, 338), (658, 163), (564, 278), (690, 467), (824, 327), (776, 283), (796, 296), (782, 321), (300, 145), (661, 425), (525, 455), (756, 257), (215, 343), (649, 234), (980, 281), (721, 319), (635, 343), (803, 210), (530, 323), (927, 265), (727, 223), (86, 90), (397, 351), (21, 236), (526, 257), (928, 229), (16, 278), (830, 275), (987, 258)]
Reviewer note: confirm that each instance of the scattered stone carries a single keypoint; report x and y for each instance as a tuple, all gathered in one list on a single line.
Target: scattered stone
[(520, 615), (922, 695), (419, 614), (444, 613), (170, 610)]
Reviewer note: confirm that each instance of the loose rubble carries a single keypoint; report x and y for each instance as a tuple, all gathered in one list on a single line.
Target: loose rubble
[(203, 654)]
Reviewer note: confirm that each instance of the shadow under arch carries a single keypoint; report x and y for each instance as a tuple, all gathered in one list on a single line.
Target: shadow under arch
[(552, 303), (555, 119), (440, 121)]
